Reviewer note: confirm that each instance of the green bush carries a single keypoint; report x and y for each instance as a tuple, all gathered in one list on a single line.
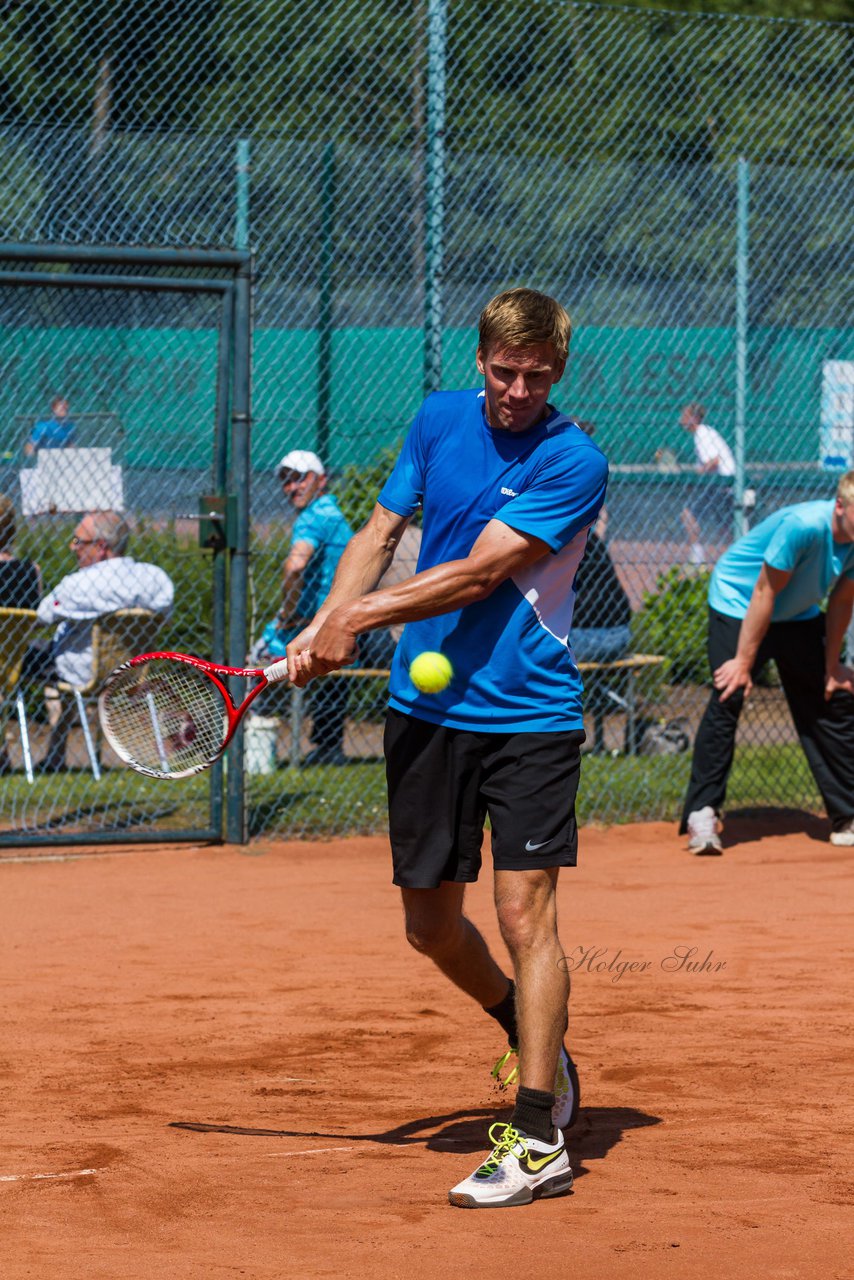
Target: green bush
[(673, 622), (358, 485)]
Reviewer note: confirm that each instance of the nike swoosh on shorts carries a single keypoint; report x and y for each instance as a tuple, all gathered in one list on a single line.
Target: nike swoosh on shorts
[(529, 848)]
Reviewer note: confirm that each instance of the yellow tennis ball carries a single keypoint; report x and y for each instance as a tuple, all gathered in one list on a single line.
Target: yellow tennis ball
[(430, 672)]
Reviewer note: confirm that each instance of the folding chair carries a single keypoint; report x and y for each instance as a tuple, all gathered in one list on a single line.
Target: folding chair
[(16, 627), (115, 638)]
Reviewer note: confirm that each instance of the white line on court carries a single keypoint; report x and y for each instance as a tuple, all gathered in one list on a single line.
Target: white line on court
[(32, 1177), (313, 1151), (96, 853)]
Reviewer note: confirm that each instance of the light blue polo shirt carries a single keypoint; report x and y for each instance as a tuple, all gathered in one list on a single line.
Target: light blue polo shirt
[(798, 540), (514, 669), (323, 526)]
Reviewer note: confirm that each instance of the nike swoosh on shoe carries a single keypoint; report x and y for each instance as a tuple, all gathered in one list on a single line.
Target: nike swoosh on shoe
[(534, 1166)]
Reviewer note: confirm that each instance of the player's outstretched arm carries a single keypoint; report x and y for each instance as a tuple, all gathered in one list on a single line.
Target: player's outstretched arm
[(735, 673), (839, 607), (499, 552), (365, 559)]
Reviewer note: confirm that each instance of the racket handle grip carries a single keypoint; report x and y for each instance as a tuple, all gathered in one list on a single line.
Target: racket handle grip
[(277, 672)]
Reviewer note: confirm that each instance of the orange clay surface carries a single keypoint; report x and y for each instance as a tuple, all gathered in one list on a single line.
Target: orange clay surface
[(227, 1064)]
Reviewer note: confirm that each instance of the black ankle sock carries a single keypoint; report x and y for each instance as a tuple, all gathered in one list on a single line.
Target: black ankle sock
[(504, 1014), (532, 1113)]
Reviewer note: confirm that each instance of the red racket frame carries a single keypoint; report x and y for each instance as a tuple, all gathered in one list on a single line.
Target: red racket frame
[(274, 674)]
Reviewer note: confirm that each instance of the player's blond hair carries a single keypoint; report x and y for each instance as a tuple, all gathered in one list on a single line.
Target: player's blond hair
[(845, 489), (524, 318)]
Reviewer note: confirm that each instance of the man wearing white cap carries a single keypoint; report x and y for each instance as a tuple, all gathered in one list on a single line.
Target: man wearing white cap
[(319, 536)]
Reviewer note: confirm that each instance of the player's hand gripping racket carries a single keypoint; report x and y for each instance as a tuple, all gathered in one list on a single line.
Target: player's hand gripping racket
[(169, 715)]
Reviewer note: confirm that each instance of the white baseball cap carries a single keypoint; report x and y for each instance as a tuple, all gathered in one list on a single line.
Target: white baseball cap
[(301, 461)]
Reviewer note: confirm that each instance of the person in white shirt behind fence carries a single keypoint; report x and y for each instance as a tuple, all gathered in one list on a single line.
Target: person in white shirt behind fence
[(710, 507)]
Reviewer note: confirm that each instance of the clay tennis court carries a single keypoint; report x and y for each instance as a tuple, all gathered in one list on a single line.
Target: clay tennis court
[(225, 1063)]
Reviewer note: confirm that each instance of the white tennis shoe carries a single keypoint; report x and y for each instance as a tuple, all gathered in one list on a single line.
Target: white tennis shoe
[(520, 1169), (704, 832), (845, 835), (567, 1092)]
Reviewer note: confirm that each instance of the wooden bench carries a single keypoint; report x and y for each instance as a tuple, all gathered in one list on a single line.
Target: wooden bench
[(624, 670)]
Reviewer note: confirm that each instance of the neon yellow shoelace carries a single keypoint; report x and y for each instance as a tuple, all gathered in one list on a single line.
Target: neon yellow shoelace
[(509, 1138), (512, 1075)]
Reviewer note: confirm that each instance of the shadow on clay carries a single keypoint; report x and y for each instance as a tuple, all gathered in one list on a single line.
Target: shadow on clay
[(743, 825), (596, 1132)]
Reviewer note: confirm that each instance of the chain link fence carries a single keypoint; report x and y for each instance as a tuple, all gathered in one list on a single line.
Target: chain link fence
[(101, 558), (683, 183)]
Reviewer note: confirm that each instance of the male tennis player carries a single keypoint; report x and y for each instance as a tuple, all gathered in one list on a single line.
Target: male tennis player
[(764, 600), (509, 487), (711, 506)]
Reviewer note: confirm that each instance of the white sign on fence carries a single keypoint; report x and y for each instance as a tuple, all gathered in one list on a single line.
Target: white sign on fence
[(836, 447), (66, 480)]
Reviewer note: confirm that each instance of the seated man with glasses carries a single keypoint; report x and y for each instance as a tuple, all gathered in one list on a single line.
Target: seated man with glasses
[(106, 579)]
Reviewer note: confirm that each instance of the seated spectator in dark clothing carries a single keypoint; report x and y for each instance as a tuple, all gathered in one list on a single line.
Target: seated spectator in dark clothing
[(20, 581), (55, 432), (20, 588), (602, 613)]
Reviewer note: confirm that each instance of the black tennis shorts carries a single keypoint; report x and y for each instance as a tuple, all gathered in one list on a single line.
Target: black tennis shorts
[(442, 784)]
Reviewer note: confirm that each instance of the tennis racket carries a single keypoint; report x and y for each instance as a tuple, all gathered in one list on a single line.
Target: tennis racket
[(169, 715)]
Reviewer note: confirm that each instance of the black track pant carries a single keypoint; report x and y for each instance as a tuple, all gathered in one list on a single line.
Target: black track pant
[(328, 713), (825, 729)]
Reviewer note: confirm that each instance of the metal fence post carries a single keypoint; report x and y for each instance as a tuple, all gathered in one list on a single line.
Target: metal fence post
[(434, 216), (225, 353), (742, 321), (241, 194), (239, 581), (326, 267)]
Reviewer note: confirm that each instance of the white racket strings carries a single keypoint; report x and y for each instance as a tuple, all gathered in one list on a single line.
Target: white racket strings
[(164, 716)]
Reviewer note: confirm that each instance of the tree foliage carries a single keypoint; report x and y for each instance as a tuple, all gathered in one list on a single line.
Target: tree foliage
[(590, 149), (357, 71)]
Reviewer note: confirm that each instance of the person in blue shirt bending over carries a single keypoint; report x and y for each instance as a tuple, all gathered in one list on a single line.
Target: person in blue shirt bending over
[(764, 600), (55, 432), (508, 487)]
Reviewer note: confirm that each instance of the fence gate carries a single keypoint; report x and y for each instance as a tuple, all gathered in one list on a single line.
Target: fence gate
[(125, 390)]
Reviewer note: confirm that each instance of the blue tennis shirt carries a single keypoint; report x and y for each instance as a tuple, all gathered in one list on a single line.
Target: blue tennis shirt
[(513, 666), (52, 433), (797, 539)]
